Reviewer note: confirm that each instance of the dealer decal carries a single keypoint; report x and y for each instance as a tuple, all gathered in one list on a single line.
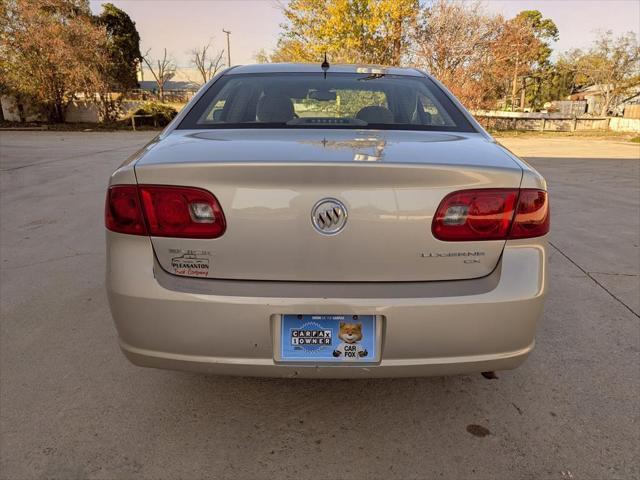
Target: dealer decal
[(191, 263)]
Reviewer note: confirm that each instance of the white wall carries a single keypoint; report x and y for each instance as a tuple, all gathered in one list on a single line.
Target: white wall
[(10, 111), (619, 124), (76, 112), (82, 112)]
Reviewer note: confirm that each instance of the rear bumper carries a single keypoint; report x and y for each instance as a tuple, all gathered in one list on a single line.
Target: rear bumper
[(435, 328), (420, 367)]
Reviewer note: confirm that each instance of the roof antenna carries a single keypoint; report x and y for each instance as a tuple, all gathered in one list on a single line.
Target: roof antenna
[(325, 65)]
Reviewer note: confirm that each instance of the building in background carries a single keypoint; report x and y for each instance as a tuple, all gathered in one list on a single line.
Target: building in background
[(593, 96)]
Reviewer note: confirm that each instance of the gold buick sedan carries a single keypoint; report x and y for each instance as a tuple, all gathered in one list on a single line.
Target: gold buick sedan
[(326, 221)]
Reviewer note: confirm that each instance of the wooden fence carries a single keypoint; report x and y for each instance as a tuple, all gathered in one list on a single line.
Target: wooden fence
[(179, 96), (545, 122)]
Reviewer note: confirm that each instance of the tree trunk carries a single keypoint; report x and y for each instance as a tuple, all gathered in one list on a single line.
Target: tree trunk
[(57, 113), (21, 115), (1, 111), (607, 98), (397, 43), (514, 83), (105, 107)]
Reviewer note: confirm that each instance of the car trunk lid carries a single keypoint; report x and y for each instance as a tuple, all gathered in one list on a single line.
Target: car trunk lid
[(268, 183)]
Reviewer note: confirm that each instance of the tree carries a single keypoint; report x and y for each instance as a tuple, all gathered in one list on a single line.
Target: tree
[(453, 41), (541, 72), (350, 31), (522, 50), (262, 56), (123, 50), (611, 63), (206, 62), (555, 82), (52, 52), (165, 71), (123, 44)]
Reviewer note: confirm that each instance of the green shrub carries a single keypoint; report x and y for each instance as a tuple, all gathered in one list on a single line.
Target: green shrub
[(162, 114)]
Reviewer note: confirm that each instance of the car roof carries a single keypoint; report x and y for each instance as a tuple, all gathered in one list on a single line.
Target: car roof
[(315, 68)]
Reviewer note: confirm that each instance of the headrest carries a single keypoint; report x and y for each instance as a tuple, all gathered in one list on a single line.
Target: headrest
[(274, 108), (375, 114)]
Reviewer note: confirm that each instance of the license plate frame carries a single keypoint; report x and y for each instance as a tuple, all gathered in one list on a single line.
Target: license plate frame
[(293, 344)]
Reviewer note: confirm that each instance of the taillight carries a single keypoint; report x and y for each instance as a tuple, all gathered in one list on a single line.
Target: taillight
[(488, 214), (168, 211), (122, 212), (532, 217), (184, 212)]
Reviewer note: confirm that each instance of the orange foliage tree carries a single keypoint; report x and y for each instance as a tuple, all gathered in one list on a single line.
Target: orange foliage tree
[(51, 51)]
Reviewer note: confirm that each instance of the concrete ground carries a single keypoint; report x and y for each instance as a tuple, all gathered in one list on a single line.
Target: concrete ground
[(72, 407)]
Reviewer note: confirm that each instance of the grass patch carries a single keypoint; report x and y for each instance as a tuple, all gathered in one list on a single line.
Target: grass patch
[(635, 140)]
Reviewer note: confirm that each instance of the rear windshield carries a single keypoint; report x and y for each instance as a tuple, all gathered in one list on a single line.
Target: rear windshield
[(339, 100)]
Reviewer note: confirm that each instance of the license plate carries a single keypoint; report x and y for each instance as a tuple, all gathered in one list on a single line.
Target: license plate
[(328, 338)]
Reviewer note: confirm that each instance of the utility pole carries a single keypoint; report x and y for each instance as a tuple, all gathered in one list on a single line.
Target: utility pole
[(227, 32)]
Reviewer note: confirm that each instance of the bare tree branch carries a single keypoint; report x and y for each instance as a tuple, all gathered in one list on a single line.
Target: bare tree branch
[(165, 70), (206, 62)]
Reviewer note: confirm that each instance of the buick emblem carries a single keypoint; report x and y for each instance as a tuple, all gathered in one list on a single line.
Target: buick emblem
[(329, 216)]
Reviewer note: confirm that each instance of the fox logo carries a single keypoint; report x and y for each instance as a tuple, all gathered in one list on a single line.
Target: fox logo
[(350, 334)]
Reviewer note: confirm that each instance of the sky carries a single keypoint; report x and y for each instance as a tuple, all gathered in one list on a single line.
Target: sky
[(180, 25)]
